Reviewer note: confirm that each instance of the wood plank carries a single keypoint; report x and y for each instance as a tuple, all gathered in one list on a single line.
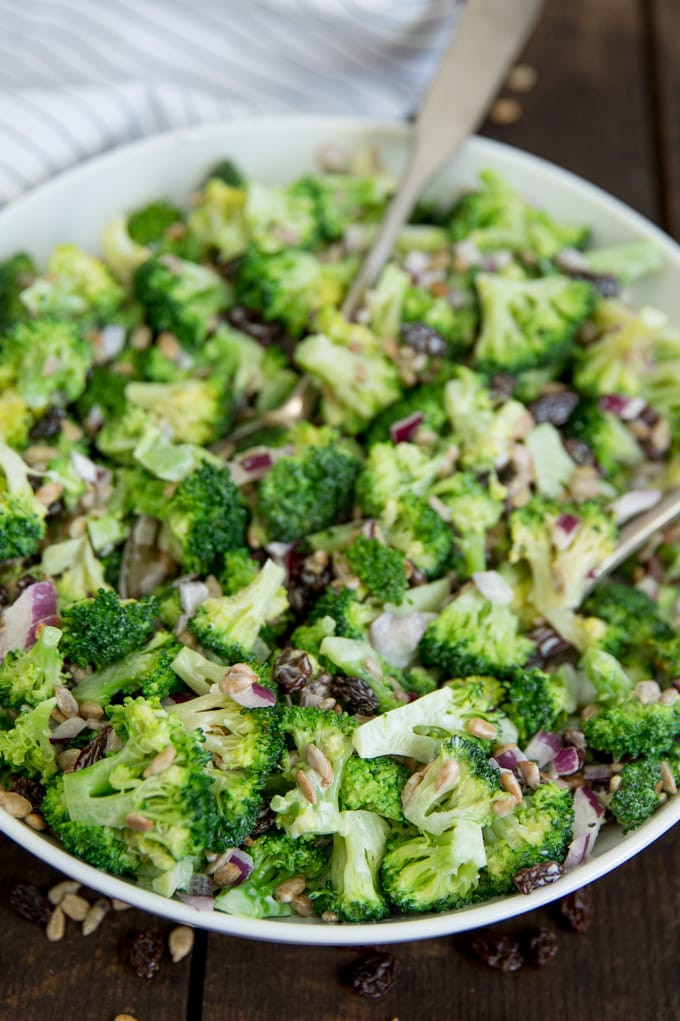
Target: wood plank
[(623, 969), (88, 978), (664, 24), (589, 111)]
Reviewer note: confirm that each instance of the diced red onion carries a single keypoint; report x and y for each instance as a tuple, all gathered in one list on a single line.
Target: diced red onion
[(634, 502), (588, 816), (598, 772), (198, 903), (510, 758), (243, 862), (567, 761), (675, 683), (36, 605), (468, 254), (543, 747), (403, 430), (68, 729), (256, 464), (627, 408), (577, 851), (493, 587), (254, 697), (547, 641), (191, 595), (564, 530), (571, 260), (396, 638)]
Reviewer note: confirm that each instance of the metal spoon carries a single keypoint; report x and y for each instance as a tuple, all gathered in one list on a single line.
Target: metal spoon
[(485, 43)]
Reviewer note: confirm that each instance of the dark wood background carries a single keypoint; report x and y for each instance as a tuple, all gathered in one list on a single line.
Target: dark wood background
[(607, 106)]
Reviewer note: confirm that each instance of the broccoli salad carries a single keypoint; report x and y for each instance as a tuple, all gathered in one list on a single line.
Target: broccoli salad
[(293, 616)]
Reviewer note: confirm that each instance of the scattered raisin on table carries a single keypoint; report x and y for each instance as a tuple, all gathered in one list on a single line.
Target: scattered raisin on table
[(498, 950), (146, 953), (355, 695), (30, 903), (534, 876), (372, 975), (577, 909), (541, 947)]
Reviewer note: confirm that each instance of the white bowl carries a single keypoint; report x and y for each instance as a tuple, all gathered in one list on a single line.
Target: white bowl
[(75, 206)]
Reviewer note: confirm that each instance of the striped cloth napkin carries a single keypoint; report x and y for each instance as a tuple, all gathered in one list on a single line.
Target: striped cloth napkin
[(78, 77)]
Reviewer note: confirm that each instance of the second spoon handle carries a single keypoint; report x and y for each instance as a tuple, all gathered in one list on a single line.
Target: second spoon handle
[(486, 41)]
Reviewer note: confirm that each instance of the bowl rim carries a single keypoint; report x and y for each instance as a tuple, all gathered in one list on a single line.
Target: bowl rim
[(310, 931)]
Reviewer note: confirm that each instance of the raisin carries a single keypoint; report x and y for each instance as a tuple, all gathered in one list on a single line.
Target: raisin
[(29, 789), (316, 691), (49, 425), (264, 822), (292, 670), (247, 321), (424, 339), (554, 407), (541, 947), (547, 643), (534, 876), (372, 975), (498, 950), (355, 695), (579, 451), (577, 909), (502, 386), (146, 953), (30, 903), (607, 285), (94, 751)]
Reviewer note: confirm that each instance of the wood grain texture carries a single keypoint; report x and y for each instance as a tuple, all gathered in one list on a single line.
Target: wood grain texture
[(590, 109), (664, 54)]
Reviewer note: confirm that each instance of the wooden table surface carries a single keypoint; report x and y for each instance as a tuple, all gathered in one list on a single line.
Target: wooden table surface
[(607, 106)]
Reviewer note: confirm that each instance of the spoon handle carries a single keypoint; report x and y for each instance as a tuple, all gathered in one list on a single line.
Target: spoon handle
[(475, 63)]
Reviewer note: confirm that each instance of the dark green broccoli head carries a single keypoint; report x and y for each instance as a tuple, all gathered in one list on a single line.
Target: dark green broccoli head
[(393, 471), (612, 443), (535, 701), (538, 830), (28, 677), (474, 636), (180, 296), (426, 400), (238, 570), (104, 628), (374, 785), (238, 797), (381, 569), (149, 224), (105, 391), (308, 491), (634, 625), (339, 200), (528, 323), (420, 533), (16, 273), (627, 726), (147, 671), (637, 796), (351, 618), (47, 360)]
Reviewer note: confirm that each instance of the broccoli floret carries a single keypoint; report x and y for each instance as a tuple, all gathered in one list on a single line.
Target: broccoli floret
[(393, 471), (308, 491), (82, 573), (628, 261), (457, 327), (148, 224), (356, 658), (350, 616), (322, 744), (495, 216), (310, 636), (28, 677), (276, 858), (193, 410), (474, 636), (218, 220), (634, 625), (290, 286), (166, 815), (416, 730), (637, 796), (472, 508), (26, 747), (536, 701), (358, 847), (180, 296), (627, 726), (340, 200), (238, 570), (100, 846), (381, 569), (280, 218), (77, 286), (47, 362), (552, 465), (16, 273), (528, 323), (22, 516), (420, 533), (484, 433), (460, 783), (230, 625), (426, 400), (147, 671), (355, 385), (539, 829), (614, 446), (374, 785), (104, 628), (422, 872)]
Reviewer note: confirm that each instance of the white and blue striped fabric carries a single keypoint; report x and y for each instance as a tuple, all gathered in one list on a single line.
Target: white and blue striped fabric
[(78, 77)]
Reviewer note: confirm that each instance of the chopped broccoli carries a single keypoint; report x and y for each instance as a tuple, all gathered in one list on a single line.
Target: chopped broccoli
[(238, 570), (456, 326), (474, 636), (103, 629), (381, 569), (484, 433), (280, 218), (78, 286), (634, 624), (147, 671), (627, 726), (47, 361), (15, 418), (230, 625), (613, 445), (218, 220), (628, 261), (350, 616), (419, 532), (426, 400), (26, 747), (538, 830), (22, 516), (393, 471), (339, 200), (193, 410), (536, 701), (356, 658), (422, 872), (149, 224), (358, 848), (180, 296), (637, 796), (322, 745), (374, 785), (16, 273), (28, 677), (552, 465), (472, 508)]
